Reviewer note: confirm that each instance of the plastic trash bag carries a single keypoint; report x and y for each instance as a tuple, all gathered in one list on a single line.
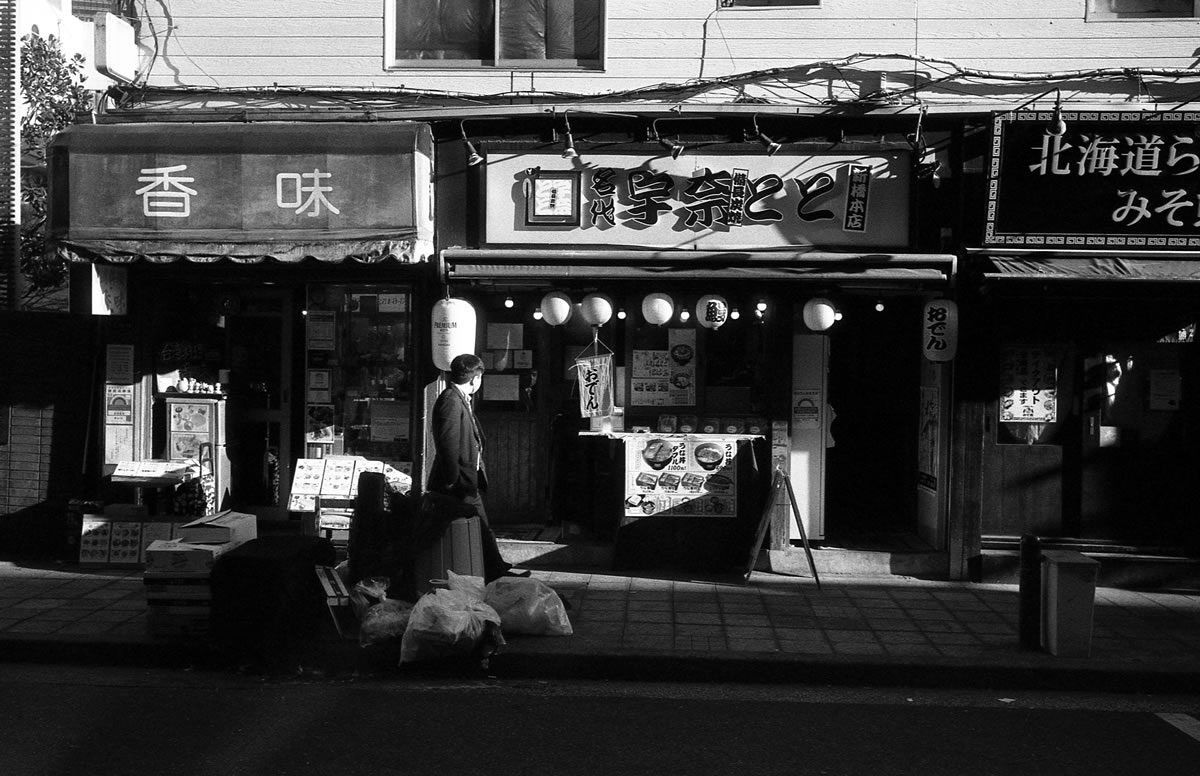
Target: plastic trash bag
[(367, 593), (528, 606), (445, 623), (384, 621), (472, 587)]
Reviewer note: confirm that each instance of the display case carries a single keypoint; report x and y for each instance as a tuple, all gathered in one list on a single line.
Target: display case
[(195, 431)]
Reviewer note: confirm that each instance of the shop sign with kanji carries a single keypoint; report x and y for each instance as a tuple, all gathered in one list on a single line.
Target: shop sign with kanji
[(1123, 180)]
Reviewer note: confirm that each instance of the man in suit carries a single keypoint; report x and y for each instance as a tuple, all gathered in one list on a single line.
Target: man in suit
[(457, 469)]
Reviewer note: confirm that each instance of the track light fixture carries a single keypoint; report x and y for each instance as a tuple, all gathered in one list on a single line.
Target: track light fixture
[(675, 148), (569, 151), (769, 144), (473, 157)]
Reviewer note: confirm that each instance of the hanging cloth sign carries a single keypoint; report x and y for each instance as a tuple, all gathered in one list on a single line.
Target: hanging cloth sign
[(595, 385)]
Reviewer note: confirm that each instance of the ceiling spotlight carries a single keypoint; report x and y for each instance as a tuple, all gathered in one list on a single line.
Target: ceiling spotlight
[(879, 306), (537, 314), (675, 148), (761, 306), (1057, 126), (508, 302), (621, 314), (771, 146), (684, 315), (569, 151), (473, 157), (735, 314)]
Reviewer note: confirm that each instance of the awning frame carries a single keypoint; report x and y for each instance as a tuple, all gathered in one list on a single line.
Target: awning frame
[(562, 265)]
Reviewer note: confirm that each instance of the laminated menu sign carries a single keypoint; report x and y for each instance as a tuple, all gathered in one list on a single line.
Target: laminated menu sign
[(680, 476)]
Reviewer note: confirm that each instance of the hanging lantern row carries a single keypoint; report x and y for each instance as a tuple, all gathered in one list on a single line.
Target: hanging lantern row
[(556, 308)]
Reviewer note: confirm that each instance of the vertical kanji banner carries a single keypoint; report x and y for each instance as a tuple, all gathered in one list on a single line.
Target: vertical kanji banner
[(595, 385)]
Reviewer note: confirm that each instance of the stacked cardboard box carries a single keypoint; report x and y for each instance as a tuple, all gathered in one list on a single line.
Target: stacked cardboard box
[(177, 572)]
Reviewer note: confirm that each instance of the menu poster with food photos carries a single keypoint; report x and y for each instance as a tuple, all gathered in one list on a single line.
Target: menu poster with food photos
[(665, 378), (680, 476)]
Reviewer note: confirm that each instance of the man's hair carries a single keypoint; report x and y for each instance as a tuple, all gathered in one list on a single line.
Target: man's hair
[(464, 367)]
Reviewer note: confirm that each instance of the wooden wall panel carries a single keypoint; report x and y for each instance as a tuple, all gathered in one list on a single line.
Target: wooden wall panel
[(308, 43)]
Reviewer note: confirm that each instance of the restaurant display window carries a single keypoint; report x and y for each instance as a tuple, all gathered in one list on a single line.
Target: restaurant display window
[(359, 373)]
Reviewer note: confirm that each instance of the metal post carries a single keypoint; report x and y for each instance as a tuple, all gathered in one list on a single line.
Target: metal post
[(1029, 617)]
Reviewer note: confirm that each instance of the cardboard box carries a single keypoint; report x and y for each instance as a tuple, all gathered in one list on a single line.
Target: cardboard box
[(163, 587), (219, 528), (175, 555)]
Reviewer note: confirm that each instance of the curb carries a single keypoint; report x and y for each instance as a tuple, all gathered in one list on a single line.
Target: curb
[(349, 659)]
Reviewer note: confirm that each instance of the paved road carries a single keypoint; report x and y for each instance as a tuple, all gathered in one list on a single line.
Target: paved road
[(110, 722)]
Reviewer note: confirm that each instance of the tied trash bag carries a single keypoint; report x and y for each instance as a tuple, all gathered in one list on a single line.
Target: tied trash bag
[(380, 618), (384, 621), (528, 606), (446, 623)]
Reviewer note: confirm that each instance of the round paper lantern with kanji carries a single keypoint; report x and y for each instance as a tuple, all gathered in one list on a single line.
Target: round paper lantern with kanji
[(657, 308), (819, 314), (453, 331), (596, 309), (556, 308), (712, 311)]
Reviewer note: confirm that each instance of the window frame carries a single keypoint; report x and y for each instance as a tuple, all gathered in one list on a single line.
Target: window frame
[(1094, 15), (771, 3), (392, 62)]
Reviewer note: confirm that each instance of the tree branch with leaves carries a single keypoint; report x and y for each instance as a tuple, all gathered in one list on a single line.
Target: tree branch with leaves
[(53, 94)]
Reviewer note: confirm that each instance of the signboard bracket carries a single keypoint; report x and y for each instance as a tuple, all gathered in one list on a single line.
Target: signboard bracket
[(780, 480)]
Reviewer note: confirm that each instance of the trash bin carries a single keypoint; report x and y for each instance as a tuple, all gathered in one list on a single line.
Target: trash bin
[(1068, 601)]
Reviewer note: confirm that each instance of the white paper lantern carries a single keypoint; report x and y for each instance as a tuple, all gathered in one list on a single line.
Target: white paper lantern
[(596, 309), (556, 308), (453, 331), (712, 311), (819, 314), (939, 330), (657, 308)]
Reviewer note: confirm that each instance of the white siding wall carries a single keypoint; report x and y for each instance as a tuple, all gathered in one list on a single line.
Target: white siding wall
[(339, 43)]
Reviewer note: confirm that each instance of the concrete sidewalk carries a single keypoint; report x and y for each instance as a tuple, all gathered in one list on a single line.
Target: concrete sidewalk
[(852, 630)]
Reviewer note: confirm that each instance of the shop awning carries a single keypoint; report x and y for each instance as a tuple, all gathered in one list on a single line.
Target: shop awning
[(246, 192), (1107, 268), (873, 269)]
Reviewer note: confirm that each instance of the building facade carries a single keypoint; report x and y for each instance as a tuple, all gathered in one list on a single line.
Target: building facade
[(856, 262)]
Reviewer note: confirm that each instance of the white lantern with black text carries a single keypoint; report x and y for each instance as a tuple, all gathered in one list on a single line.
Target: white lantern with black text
[(596, 309), (657, 308), (556, 308), (819, 314), (712, 311), (939, 330), (453, 331)]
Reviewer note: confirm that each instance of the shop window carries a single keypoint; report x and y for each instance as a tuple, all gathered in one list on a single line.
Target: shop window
[(359, 373), (542, 34), (1120, 10), (5, 420)]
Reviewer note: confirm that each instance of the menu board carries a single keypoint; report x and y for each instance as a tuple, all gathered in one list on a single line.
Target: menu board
[(665, 378), (675, 475)]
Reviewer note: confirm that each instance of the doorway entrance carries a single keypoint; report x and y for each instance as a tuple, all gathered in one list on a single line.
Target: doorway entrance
[(874, 378)]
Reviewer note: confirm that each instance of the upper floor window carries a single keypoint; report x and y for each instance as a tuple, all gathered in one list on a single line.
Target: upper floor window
[(542, 34), (1107, 10)]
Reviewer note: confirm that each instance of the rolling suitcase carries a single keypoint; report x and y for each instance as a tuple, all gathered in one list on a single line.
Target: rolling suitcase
[(459, 549)]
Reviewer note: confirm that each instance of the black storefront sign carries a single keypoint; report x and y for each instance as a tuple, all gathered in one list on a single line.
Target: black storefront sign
[(1113, 180)]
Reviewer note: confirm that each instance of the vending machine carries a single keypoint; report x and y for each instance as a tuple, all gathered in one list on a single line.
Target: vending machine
[(196, 432)]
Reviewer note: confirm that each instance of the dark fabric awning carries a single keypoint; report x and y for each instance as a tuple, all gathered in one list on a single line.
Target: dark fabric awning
[(872, 269), (1106, 268), (245, 192)]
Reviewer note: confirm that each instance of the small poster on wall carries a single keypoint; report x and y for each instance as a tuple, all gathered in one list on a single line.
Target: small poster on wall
[(680, 476), (1029, 388)]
